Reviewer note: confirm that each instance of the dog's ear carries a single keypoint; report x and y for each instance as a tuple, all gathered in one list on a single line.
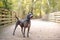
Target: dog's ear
[(30, 13)]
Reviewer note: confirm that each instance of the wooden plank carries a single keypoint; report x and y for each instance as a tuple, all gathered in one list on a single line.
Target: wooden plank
[(5, 22), (5, 25), (7, 18)]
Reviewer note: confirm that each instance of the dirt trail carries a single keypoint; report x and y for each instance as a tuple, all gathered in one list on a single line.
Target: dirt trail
[(40, 30)]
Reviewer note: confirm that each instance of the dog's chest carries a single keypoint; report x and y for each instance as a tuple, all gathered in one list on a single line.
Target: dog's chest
[(26, 24)]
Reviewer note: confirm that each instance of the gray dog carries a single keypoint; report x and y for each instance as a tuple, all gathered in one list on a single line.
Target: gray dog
[(24, 23)]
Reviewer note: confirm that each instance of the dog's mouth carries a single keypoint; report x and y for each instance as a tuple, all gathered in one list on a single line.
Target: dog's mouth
[(31, 16)]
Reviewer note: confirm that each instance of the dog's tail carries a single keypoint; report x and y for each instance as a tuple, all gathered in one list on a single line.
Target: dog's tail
[(16, 17)]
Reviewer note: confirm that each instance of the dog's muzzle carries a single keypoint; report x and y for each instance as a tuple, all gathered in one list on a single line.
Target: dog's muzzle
[(31, 16)]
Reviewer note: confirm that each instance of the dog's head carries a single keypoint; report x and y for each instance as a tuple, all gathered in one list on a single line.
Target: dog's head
[(30, 15)]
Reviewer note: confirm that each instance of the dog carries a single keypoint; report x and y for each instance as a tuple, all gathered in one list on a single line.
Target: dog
[(24, 23)]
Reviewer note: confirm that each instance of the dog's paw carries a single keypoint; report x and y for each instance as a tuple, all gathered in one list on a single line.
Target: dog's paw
[(24, 36), (27, 35), (13, 34)]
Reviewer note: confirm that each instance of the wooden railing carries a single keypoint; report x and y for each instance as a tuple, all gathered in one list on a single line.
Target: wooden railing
[(55, 17), (6, 17)]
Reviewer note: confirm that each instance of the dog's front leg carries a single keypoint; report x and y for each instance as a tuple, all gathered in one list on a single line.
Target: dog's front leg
[(24, 32)]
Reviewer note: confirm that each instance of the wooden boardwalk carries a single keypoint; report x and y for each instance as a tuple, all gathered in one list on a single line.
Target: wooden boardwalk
[(40, 30)]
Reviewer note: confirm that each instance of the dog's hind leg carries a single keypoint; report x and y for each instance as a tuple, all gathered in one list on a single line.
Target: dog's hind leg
[(15, 29), (22, 30), (28, 32)]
